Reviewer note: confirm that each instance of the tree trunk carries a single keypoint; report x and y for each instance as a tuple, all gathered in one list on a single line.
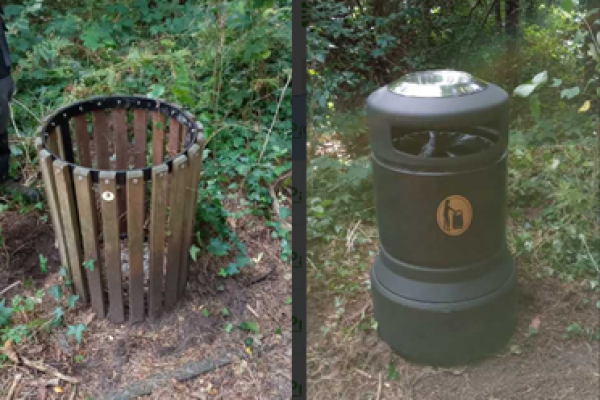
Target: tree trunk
[(498, 12), (511, 12), (591, 65), (531, 11)]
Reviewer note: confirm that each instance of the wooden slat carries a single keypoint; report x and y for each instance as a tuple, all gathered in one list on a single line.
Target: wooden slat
[(101, 136), (112, 245), (158, 137), (174, 138), (135, 233), (140, 132), (52, 143), (158, 215), (178, 181), (191, 197), (45, 160), (60, 144), (83, 141), (119, 116), (68, 212), (88, 217), (121, 141)]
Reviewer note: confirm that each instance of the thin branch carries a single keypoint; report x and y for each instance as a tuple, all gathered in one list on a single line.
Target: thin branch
[(262, 152), (26, 109)]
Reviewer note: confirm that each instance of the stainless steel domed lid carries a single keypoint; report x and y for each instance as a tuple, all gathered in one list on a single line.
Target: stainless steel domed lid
[(437, 84)]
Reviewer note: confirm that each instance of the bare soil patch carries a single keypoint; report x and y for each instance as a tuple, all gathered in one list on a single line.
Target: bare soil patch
[(349, 363), (112, 357)]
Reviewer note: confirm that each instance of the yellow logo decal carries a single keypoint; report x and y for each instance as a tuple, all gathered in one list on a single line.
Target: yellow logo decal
[(454, 215)]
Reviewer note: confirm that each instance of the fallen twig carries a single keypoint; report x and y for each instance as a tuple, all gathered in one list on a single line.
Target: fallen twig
[(184, 372), (13, 356), (252, 310), (73, 393), (49, 370), (379, 386), (6, 289), (13, 388)]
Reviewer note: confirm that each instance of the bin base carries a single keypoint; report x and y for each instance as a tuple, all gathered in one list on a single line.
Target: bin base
[(446, 333)]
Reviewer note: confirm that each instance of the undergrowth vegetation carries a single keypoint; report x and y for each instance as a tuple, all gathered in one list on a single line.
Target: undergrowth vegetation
[(210, 57), (553, 226)]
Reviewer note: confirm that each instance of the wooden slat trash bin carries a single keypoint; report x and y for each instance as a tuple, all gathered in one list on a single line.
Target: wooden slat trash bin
[(121, 175)]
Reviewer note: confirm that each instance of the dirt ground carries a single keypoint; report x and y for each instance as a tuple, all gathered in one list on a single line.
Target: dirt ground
[(112, 358), (349, 363)]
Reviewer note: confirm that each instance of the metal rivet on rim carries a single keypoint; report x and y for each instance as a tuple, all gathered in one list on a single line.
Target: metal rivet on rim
[(183, 166), (80, 108), (65, 115), (54, 124), (81, 178), (107, 181), (135, 181), (139, 103), (99, 103), (161, 175)]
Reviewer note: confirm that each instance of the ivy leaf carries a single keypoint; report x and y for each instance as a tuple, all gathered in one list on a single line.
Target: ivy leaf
[(194, 250), (5, 313), (228, 328), (556, 82), (232, 269), (156, 91), (93, 37), (58, 314), (392, 373), (524, 90), (56, 292), (43, 264), (284, 212), (90, 264), (72, 300), (77, 331), (570, 93), (250, 326), (218, 247)]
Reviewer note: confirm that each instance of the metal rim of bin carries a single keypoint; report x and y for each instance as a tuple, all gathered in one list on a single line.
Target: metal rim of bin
[(91, 226)]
